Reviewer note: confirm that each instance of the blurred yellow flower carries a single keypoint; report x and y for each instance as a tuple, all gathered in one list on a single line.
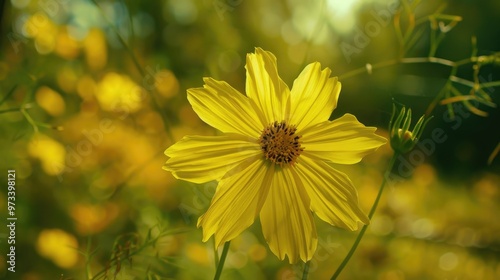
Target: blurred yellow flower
[(67, 78), (91, 219), (66, 46), (58, 246), (257, 252), (197, 253), (43, 31), (274, 157), (166, 83), (50, 101), (119, 93), (96, 50), (86, 88), (51, 153)]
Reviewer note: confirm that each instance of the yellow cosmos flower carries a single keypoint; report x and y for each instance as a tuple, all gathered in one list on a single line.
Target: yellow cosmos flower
[(274, 157)]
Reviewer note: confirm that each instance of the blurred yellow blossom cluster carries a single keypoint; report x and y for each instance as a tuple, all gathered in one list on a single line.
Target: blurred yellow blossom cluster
[(50, 37)]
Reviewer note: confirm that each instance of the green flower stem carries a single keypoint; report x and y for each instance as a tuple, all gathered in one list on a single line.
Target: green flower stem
[(407, 60), (10, 110), (410, 60), (88, 257), (370, 215), (218, 272), (216, 255), (365, 69), (306, 270), (9, 93), (29, 119), (442, 93), (490, 84), (454, 65)]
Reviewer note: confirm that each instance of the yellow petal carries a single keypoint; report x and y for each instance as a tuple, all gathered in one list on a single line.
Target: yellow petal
[(223, 107), (344, 140), (237, 200), (333, 196), (286, 218), (265, 87), (200, 159), (314, 96)]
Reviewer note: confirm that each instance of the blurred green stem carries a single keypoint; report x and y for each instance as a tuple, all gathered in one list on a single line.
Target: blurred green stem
[(29, 119), (149, 242), (370, 215), (366, 69), (218, 272), (306, 270), (410, 60), (88, 258), (454, 65), (10, 110), (216, 255), (491, 84), (9, 93)]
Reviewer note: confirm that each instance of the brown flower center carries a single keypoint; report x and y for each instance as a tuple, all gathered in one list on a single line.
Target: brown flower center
[(280, 144)]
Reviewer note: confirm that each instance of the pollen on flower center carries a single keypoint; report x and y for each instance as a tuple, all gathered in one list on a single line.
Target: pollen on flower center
[(280, 144)]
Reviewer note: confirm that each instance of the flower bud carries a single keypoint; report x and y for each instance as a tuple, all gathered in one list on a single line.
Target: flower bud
[(402, 139)]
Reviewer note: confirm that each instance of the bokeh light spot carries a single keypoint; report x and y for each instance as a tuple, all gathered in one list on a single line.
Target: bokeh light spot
[(448, 261), (381, 225), (257, 252), (184, 11), (422, 228), (143, 25), (342, 14), (238, 260), (20, 3), (229, 61)]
